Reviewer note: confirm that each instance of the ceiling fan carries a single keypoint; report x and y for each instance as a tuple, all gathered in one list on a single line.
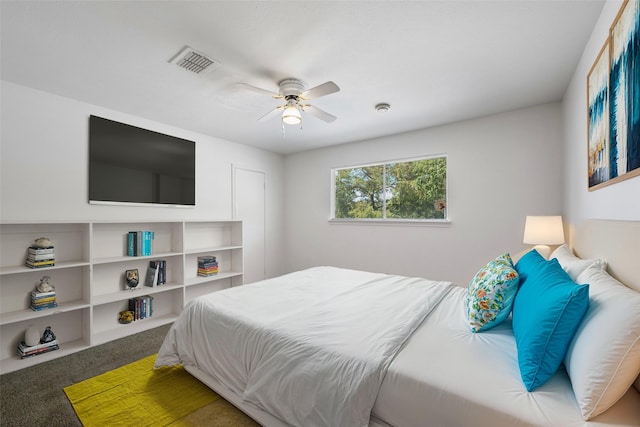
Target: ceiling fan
[(294, 95)]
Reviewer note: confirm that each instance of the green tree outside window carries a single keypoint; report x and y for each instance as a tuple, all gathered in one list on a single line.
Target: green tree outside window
[(415, 189)]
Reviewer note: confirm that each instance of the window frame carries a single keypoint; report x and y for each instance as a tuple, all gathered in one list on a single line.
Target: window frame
[(384, 220)]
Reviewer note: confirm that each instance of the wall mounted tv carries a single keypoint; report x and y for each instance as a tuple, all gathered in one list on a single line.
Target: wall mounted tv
[(128, 164)]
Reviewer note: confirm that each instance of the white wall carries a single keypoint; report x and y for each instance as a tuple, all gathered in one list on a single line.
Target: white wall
[(500, 169), (44, 168), (619, 201)]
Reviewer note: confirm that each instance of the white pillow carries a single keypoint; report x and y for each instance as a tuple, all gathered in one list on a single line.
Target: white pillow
[(572, 264), (603, 359)]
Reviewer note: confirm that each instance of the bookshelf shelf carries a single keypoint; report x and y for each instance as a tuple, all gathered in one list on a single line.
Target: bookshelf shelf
[(125, 259), (211, 249), (132, 328), (125, 295), (28, 314), (220, 276), (91, 260), (14, 362), (17, 269)]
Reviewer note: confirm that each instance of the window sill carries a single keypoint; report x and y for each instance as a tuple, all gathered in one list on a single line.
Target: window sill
[(392, 222)]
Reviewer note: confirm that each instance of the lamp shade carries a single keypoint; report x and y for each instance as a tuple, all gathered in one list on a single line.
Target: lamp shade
[(291, 115), (543, 230)]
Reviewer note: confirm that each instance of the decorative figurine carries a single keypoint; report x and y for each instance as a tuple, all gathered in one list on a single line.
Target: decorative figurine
[(32, 336), (44, 285), (47, 336), (42, 243), (125, 316), (132, 278)]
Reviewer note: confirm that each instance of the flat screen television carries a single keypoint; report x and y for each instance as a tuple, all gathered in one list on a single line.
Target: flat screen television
[(128, 164)]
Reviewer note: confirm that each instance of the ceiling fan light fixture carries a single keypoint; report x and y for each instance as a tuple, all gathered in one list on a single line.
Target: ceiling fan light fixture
[(291, 115)]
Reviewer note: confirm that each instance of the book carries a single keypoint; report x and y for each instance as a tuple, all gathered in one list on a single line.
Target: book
[(131, 243), (37, 257), (147, 238), (141, 307), (145, 244), (42, 257), (207, 266), (36, 294), (161, 265), (25, 348), (138, 243), (155, 264), (207, 274), (40, 251), (40, 265), (152, 276), (44, 307), (136, 308), (49, 258), (37, 352), (43, 300)]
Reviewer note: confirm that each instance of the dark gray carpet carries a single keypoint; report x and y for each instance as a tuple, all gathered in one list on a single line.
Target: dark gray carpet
[(34, 396)]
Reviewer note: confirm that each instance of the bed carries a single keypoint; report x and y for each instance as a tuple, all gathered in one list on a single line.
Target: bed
[(280, 351)]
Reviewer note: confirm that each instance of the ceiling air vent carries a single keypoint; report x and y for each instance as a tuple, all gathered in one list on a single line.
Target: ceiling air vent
[(194, 61)]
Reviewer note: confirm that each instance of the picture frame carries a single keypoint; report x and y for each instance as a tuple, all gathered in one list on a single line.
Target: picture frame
[(613, 152), (598, 119)]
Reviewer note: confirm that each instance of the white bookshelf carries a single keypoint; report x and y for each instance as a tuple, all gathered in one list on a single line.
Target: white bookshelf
[(91, 258)]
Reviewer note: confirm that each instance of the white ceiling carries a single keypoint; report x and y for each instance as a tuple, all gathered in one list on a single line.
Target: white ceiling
[(435, 62)]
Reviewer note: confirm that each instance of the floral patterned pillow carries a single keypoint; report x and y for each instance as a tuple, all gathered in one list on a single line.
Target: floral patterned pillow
[(491, 292)]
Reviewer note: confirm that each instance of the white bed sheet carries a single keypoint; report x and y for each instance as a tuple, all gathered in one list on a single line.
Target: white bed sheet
[(447, 376), (311, 356)]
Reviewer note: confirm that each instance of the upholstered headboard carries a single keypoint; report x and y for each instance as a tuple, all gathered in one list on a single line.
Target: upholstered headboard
[(617, 242)]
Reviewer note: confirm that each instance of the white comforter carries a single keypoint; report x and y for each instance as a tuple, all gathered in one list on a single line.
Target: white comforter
[(310, 347)]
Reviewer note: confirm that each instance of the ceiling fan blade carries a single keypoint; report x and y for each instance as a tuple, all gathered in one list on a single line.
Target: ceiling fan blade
[(270, 113), (259, 90), (322, 115), (321, 90)]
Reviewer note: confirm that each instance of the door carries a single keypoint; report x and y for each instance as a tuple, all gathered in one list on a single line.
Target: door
[(249, 206)]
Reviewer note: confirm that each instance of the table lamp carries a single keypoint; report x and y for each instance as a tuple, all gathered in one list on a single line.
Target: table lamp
[(543, 231)]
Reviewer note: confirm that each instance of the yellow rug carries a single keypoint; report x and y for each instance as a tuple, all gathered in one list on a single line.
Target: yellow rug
[(138, 395)]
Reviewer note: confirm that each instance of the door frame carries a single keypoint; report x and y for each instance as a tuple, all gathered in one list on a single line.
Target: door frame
[(234, 213)]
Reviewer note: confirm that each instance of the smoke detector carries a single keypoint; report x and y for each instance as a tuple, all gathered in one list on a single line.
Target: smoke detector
[(383, 108), (194, 61)]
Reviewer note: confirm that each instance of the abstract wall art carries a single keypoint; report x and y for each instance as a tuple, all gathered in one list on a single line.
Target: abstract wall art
[(613, 97)]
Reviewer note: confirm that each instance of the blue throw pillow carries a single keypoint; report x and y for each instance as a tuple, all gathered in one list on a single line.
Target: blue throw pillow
[(490, 294), (547, 311)]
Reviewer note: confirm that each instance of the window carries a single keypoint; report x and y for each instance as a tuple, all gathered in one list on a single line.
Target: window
[(415, 189)]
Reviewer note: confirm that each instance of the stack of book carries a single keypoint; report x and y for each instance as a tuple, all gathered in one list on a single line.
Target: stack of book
[(140, 243), (141, 307), (40, 257), (43, 300), (207, 266), (26, 351), (156, 273)]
